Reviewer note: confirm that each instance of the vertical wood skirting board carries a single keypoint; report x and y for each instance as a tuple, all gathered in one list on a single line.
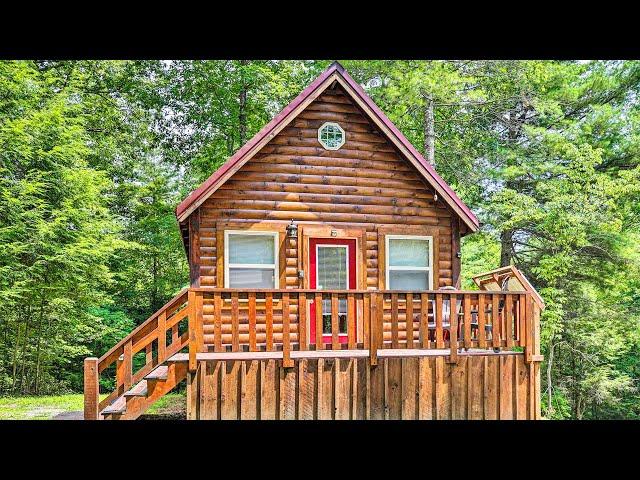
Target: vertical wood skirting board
[(476, 388)]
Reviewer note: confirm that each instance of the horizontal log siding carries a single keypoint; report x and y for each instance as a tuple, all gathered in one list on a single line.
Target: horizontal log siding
[(366, 183)]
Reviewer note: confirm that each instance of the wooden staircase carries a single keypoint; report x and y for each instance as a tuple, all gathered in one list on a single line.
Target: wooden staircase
[(147, 364), (139, 398)]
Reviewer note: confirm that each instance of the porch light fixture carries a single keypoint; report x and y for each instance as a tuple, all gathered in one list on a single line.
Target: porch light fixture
[(292, 230)]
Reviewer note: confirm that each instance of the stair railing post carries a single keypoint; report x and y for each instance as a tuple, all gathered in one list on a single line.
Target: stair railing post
[(91, 388), (193, 342)]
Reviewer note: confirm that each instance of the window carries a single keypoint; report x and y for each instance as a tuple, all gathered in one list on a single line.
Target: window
[(409, 260), (331, 136), (333, 274), (250, 259)]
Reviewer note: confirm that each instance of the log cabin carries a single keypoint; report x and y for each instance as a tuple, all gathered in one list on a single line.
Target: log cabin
[(324, 264)]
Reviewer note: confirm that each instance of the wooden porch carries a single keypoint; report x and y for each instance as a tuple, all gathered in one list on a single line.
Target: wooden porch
[(375, 354)]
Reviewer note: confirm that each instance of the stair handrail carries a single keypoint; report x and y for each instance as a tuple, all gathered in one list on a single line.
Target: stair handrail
[(141, 338)]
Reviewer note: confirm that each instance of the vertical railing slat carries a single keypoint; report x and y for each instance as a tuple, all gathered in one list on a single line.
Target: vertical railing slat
[(193, 344), (148, 350), (374, 326), (522, 313), (318, 319), (127, 365), (508, 319), (466, 304), (217, 321), (495, 320), (162, 336), (424, 320), (286, 337), (482, 333), (453, 328), (268, 310), (438, 313), (409, 321), (364, 302), (394, 320), (302, 321), (200, 322), (335, 327), (351, 321), (235, 323), (252, 322)]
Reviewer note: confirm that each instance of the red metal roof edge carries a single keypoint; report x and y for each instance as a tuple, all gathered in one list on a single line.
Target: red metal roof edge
[(238, 156)]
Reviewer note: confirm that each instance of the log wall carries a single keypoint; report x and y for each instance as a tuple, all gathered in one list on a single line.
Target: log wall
[(477, 387)]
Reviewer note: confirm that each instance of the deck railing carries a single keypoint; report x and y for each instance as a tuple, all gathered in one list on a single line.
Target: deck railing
[(307, 323), (264, 320)]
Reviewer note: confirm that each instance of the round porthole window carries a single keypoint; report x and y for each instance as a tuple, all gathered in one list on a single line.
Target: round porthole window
[(331, 136)]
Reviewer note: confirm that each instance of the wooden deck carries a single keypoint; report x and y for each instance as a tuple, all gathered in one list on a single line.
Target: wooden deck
[(387, 354)]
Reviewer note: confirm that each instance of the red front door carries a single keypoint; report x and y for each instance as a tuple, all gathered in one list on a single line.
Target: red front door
[(332, 262)]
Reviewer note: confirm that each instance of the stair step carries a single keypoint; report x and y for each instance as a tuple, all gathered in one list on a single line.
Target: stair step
[(140, 390), (160, 373), (117, 407)]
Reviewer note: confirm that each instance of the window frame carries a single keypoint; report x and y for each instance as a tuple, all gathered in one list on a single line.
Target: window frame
[(389, 268), (332, 124), (276, 258)]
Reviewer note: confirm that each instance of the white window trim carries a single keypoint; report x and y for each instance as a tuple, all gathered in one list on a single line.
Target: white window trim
[(332, 124), (274, 266), (389, 268)]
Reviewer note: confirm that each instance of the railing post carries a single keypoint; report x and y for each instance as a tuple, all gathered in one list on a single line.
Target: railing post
[(453, 329), (373, 329), (528, 349), (91, 389), (193, 343)]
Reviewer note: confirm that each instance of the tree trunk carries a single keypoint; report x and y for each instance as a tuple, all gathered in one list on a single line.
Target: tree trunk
[(506, 248), (549, 378), (242, 105), (38, 346), (429, 130), (16, 348)]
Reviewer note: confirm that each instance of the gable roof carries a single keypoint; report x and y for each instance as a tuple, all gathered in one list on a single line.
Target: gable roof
[(335, 72)]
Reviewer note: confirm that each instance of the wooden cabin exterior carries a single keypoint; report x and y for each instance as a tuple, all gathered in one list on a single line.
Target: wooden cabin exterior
[(324, 266)]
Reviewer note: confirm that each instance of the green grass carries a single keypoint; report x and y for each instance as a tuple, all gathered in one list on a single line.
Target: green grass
[(47, 407)]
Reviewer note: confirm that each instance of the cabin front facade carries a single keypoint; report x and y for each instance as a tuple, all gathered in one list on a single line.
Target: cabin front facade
[(324, 268)]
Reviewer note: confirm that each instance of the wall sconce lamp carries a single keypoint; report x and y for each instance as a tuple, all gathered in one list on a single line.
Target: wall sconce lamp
[(292, 230)]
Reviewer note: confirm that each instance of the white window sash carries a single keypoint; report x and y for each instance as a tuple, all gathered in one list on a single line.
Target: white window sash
[(408, 268), (261, 266)]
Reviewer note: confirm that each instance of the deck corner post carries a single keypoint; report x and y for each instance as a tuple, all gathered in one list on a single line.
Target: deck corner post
[(91, 389), (529, 325), (193, 343)]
